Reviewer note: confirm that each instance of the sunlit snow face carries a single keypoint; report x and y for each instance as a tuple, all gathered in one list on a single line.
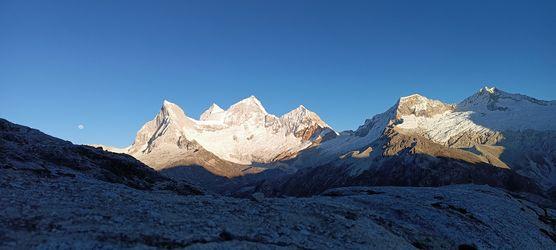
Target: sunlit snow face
[(80, 126)]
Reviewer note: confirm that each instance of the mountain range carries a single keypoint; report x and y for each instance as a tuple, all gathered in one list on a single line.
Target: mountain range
[(491, 137), (225, 141)]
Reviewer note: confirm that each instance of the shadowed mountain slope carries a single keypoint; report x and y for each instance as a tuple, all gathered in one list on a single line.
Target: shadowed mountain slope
[(29, 151)]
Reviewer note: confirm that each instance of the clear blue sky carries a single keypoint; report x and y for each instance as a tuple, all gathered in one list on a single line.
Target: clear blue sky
[(109, 64)]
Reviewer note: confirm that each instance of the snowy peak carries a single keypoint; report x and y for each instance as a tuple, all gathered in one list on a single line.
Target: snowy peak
[(304, 123), (213, 113), (249, 111), (414, 105), (170, 109), (169, 105), (485, 99), (499, 110), (491, 99), (419, 105), (301, 108), (487, 89), (302, 115), (215, 108), (250, 102), (168, 123), (300, 111), (481, 117), (170, 112), (490, 109)]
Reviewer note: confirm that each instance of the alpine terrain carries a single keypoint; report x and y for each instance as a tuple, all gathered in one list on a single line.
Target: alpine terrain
[(227, 143), (424, 174), (492, 137)]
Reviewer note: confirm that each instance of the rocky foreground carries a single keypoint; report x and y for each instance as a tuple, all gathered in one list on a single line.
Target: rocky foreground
[(73, 212)]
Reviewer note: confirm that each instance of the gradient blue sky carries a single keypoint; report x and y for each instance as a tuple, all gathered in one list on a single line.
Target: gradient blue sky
[(109, 64)]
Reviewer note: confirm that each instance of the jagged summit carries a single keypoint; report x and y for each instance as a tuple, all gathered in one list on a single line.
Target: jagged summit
[(171, 112), (247, 111), (495, 100), (251, 98), (412, 105), (213, 113), (419, 105), (169, 122), (488, 89), (170, 105), (250, 101), (215, 108), (302, 114), (413, 96), (300, 110), (304, 123)]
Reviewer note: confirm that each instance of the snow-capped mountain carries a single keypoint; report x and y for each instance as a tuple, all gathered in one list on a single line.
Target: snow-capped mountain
[(479, 119), (491, 137), (241, 135)]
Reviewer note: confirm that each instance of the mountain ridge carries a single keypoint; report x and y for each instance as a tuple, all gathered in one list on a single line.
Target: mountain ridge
[(471, 133), (240, 134), (432, 135)]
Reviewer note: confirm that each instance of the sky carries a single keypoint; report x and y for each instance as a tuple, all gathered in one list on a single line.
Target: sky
[(93, 72)]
